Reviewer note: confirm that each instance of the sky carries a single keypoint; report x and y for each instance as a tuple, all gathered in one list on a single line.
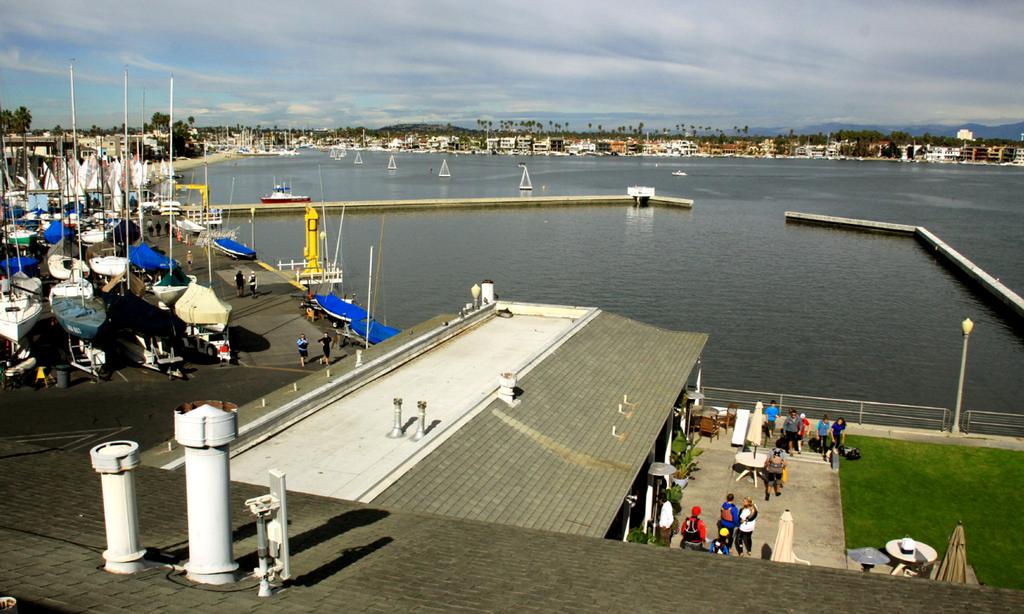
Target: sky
[(328, 63)]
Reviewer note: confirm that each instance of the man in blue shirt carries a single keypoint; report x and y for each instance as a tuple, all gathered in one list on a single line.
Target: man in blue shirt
[(730, 518), (823, 434), (770, 414)]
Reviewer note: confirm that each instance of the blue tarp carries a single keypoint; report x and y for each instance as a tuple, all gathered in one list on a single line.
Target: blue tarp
[(147, 259), (29, 266), (233, 248), (339, 309), (53, 233), (378, 332)]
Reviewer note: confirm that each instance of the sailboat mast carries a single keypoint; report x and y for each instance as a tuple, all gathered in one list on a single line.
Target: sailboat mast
[(206, 212), (126, 171), (369, 291), (74, 144), (170, 170)]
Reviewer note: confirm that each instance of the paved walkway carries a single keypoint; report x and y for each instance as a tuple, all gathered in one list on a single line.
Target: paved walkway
[(811, 495)]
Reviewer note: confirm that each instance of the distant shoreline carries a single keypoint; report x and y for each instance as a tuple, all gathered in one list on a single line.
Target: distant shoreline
[(190, 163)]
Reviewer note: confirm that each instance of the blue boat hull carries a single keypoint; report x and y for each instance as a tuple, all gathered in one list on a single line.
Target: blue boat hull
[(85, 319)]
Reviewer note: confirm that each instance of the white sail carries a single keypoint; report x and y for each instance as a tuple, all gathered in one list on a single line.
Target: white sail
[(524, 183), (444, 172), (32, 183), (359, 158), (49, 179), (392, 165)]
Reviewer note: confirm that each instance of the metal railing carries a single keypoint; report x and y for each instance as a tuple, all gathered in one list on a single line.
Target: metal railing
[(854, 411), (992, 423)]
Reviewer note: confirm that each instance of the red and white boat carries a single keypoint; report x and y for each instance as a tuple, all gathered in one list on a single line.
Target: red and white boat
[(283, 194)]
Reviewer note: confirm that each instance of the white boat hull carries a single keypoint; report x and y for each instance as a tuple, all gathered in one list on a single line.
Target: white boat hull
[(108, 266), (93, 236), (168, 295), (78, 288), (18, 314), (61, 267)]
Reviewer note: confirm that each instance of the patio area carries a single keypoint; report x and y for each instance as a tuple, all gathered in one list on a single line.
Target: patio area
[(811, 494)]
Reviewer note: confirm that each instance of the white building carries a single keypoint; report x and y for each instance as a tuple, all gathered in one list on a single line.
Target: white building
[(942, 154), (964, 134)]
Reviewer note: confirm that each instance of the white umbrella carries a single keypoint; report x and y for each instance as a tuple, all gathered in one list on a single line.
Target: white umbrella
[(954, 564), (756, 425), (782, 551)]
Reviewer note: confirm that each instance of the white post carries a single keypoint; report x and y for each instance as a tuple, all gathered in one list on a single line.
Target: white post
[(369, 300), (966, 326), (206, 430), (114, 462)]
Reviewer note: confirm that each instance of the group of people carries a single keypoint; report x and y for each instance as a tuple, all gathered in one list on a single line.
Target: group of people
[(795, 427), (325, 343), (159, 228), (735, 529), (240, 283)]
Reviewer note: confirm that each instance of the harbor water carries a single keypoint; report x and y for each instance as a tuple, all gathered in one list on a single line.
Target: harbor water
[(790, 308)]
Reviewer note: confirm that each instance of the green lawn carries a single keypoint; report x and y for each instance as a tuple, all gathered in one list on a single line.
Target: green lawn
[(900, 488)]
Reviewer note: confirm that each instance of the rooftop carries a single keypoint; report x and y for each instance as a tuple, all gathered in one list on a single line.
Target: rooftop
[(351, 557)]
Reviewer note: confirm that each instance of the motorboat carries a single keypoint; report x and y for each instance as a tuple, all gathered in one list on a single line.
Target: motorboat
[(93, 235), (19, 312), (679, 173), (283, 194), (238, 251)]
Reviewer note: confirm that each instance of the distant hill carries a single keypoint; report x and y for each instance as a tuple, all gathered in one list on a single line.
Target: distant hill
[(1004, 131)]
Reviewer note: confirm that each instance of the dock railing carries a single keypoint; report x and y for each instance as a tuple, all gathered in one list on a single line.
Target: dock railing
[(992, 423), (854, 411)]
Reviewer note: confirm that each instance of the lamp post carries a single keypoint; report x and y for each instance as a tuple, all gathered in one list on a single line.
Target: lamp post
[(967, 326), (475, 291)]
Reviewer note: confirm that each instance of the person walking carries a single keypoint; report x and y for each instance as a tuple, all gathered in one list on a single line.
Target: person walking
[(823, 429), (721, 543), (303, 344), (240, 283), (804, 425), (665, 521), (770, 414), (729, 518), (773, 468), (745, 534), (325, 343), (791, 430), (694, 531), (252, 284)]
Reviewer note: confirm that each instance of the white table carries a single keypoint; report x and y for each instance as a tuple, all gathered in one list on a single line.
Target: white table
[(751, 463), (923, 553)]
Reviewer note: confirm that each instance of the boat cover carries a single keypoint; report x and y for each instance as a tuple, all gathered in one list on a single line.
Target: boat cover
[(378, 332), (130, 312), (126, 226), (147, 259), (339, 309), (56, 231), (174, 278), (81, 317), (200, 305), (29, 266), (236, 249)]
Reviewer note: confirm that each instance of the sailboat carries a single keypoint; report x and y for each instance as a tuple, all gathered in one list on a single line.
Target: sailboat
[(444, 172), (392, 165), (359, 158), (170, 288), (524, 182), (18, 313)]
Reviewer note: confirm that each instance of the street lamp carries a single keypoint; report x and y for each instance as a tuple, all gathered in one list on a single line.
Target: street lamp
[(967, 326)]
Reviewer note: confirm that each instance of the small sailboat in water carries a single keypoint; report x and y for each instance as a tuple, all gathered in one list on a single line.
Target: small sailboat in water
[(392, 165), (524, 183), (444, 172), (359, 158)]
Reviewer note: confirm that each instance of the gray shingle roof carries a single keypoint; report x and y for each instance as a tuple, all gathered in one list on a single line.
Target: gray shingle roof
[(551, 462), (352, 558)]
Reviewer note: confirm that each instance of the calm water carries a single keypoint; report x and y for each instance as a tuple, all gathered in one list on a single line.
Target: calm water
[(789, 308)]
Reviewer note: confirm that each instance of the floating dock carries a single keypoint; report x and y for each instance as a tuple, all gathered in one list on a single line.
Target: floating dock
[(477, 203), (991, 284)]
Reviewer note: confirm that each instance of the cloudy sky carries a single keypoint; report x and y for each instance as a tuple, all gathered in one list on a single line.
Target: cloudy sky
[(320, 63)]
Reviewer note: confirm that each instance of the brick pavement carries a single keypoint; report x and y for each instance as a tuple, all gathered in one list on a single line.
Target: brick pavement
[(349, 557)]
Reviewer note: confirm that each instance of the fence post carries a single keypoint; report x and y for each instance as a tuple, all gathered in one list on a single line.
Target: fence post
[(967, 422), (860, 416)]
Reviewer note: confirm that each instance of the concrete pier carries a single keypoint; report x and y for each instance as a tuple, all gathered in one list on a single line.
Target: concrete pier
[(459, 203), (991, 284)]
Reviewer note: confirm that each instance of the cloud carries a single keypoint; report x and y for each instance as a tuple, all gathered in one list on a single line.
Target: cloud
[(773, 63)]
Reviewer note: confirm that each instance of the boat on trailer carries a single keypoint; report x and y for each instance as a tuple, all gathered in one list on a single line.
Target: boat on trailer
[(238, 251)]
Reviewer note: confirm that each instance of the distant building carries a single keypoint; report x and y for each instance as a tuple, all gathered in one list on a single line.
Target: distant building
[(942, 154), (964, 134)]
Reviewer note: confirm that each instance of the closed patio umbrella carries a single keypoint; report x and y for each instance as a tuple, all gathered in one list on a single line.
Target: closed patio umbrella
[(756, 425), (954, 564), (782, 551)]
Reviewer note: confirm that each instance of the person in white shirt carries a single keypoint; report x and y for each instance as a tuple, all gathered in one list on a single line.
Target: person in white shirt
[(665, 521), (745, 536)]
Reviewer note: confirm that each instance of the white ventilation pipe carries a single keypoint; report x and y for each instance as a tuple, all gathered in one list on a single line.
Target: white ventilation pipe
[(206, 428), (486, 292), (507, 387), (114, 462)]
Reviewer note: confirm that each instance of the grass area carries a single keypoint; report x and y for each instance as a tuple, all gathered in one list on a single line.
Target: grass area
[(901, 488)]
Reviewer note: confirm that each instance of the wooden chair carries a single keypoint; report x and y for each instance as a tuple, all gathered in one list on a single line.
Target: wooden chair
[(709, 427)]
